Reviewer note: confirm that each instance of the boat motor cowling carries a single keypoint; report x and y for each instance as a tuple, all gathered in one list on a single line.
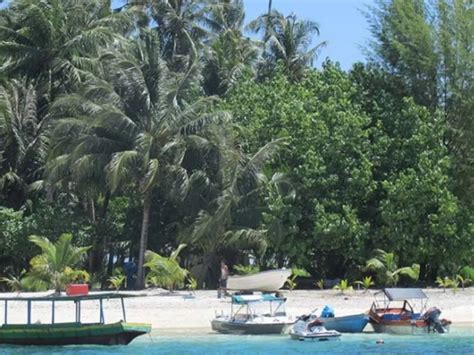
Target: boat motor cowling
[(432, 317)]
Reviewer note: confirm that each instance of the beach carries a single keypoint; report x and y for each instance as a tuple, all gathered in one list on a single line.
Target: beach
[(181, 310)]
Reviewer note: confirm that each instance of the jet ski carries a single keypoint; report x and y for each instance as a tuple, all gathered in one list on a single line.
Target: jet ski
[(311, 328)]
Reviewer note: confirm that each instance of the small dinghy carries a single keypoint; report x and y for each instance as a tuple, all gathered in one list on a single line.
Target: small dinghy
[(311, 328)]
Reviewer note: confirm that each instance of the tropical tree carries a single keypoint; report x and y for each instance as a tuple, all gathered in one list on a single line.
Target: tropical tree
[(165, 271), (23, 139), (179, 27), (143, 120), (229, 55), (57, 42), (388, 273), (288, 40), (54, 266), (231, 219), (366, 283), (428, 45), (343, 286)]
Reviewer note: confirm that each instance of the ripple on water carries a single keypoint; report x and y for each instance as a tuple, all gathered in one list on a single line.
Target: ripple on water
[(458, 341)]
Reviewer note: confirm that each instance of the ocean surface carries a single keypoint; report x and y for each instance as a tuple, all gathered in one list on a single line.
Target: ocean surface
[(459, 341)]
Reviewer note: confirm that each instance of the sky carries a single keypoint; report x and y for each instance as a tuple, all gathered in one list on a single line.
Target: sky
[(341, 24)]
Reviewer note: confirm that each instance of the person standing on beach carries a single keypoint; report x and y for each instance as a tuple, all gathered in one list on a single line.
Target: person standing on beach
[(222, 291)]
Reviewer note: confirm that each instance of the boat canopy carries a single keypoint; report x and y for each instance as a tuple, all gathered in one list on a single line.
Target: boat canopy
[(96, 296), (246, 299), (402, 294)]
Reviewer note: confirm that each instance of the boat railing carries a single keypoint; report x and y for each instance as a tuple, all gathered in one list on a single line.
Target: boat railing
[(77, 305)]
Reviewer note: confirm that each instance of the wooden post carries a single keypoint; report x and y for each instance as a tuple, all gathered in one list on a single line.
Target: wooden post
[(29, 312), (52, 312), (123, 310), (102, 321), (6, 312), (78, 311)]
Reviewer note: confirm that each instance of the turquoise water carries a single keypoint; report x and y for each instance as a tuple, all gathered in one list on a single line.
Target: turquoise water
[(457, 342)]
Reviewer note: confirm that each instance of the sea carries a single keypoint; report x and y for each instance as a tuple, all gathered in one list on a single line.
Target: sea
[(459, 341)]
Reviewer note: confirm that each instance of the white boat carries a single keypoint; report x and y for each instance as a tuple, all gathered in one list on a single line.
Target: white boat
[(308, 328), (267, 281), (248, 317)]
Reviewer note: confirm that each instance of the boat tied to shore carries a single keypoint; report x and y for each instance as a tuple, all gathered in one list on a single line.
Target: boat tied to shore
[(71, 333), (385, 318), (246, 315), (265, 281)]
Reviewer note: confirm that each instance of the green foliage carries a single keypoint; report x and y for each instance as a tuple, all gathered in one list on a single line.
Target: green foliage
[(54, 266), (343, 286), (192, 283), (117, 281), (366, 283), (165, 272), (453, 283), (246, 269), (463, 281), (429, 47), (319, 284), (296, 272), (467, 272), (445, 282), (322, 218), (388, 273), (108, 131), (13, 282)]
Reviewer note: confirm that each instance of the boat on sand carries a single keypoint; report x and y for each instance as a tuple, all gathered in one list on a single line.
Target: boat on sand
[(265, 281), (254, 314), (71, 333), (354, 323), (386, 318)]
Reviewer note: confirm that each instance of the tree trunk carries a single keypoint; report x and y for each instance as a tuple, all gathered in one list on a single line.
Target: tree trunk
[(143, 242)]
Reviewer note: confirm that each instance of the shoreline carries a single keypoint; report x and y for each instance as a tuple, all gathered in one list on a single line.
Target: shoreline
[(172, 313)]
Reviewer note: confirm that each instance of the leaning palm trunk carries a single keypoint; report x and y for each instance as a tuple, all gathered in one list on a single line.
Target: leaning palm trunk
[(143, 241)]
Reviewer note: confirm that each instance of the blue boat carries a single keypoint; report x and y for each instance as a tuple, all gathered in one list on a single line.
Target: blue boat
[(346, 324)]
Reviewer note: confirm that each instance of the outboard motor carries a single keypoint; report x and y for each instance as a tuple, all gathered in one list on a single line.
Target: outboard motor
[(432, 317)]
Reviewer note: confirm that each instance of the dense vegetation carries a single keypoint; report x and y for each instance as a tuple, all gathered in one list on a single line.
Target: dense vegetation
[(161, 123)]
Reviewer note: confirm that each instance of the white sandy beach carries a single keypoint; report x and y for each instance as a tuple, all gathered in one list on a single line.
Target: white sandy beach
[(177, 311), (174, 312)]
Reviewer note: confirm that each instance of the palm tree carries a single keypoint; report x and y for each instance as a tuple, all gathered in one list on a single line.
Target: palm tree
[(287, 39), (178, 23), (22, 141), (229, 54), (165, 271), (142, 121), (385, 265), (57, 42), (232, 218), (53, 267)]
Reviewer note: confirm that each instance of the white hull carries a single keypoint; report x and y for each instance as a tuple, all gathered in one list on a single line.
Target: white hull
[(300, 331), (267, 281)]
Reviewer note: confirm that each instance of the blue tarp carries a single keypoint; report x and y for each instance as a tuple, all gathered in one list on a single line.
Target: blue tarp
[(327, 312)]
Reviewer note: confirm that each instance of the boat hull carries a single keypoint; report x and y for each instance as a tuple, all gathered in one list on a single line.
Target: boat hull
[(346, 324), (72, 333), (405, 328), (229, 327), (267, 281), (318, 337)]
